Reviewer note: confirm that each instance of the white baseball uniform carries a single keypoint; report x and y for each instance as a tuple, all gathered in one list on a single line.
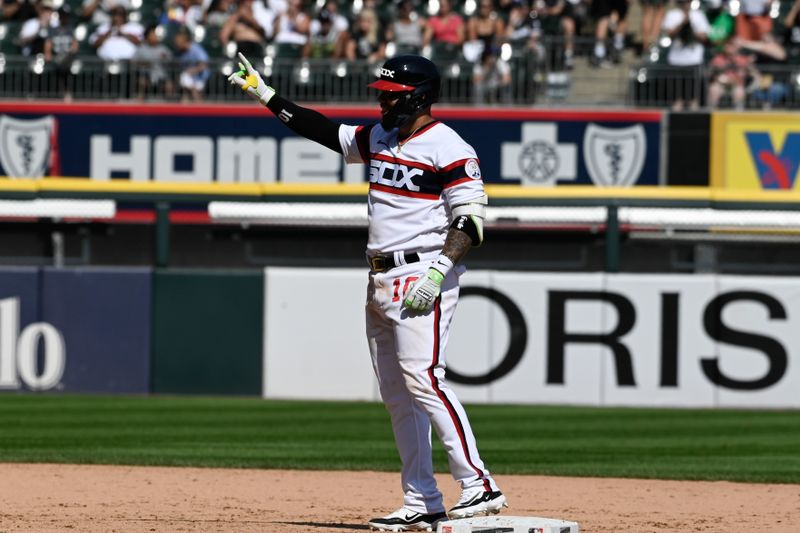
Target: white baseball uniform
[(412, 189)]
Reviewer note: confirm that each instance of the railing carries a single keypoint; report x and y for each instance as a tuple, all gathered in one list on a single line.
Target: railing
[(90, 78), (535, 80), (770, 87), (538, 77)]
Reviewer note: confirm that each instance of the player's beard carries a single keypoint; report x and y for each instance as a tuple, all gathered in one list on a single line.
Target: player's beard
[(394, 119)]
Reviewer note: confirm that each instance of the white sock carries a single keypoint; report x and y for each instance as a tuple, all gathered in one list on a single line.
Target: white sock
[(600, 50), (619, 41)]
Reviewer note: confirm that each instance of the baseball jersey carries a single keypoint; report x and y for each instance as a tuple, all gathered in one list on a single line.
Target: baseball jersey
[(412, 188)]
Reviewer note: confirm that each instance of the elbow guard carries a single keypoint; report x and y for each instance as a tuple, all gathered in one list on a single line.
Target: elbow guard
[(469, 219)]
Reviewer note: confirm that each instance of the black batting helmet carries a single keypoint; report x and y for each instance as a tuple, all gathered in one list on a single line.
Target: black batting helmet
[(418, 81)]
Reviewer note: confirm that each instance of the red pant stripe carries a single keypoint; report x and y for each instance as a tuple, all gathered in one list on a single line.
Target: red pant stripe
[(443, 397)]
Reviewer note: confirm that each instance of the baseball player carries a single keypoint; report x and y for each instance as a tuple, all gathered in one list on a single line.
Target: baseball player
[(426, 209)]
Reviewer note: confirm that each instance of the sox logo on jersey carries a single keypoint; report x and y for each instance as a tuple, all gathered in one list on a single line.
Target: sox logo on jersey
[(393, 174)]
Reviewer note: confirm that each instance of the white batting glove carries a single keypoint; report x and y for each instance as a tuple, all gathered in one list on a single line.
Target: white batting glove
[(249, 80), (423, 293)]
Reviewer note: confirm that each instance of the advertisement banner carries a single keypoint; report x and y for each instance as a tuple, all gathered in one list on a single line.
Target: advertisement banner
[(246, 144), (537, 338), (315, 346), (755, 151), (75, 330), (103, 317)]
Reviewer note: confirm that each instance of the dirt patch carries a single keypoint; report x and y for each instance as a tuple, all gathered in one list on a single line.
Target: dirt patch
[(45, 498)]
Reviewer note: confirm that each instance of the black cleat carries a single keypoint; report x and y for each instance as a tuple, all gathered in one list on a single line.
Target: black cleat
[(406, 520)]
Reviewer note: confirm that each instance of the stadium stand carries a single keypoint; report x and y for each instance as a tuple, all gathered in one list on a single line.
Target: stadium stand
[(548, 48)]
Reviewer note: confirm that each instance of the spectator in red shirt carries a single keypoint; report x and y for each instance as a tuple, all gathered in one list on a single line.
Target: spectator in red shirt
[(729, 73), (445, 27)]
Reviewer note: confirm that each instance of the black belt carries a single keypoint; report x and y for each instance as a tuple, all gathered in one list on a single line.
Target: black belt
[(382, 263)]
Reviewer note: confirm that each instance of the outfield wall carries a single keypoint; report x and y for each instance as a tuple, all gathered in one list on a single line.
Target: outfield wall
[(75, 330), (528, 338), (216, 144), (243, 144)]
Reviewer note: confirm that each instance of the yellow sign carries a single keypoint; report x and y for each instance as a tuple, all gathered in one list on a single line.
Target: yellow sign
[(755, 151)]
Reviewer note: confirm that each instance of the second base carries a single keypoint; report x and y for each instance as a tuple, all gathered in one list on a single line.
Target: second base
[(507, 524)]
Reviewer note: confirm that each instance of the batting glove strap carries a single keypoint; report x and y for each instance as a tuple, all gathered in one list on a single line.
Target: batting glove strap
[(443, 264)]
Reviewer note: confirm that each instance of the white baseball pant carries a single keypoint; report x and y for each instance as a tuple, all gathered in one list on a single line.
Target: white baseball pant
[(407, 352)]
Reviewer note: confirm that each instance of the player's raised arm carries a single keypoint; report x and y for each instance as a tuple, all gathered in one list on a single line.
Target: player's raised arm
[(303, 121)]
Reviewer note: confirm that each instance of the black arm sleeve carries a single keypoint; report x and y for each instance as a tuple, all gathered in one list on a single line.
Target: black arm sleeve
[(306, 122)]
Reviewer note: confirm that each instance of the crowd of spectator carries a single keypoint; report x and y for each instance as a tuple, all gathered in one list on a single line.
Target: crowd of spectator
[(732, 52), (737, 41)]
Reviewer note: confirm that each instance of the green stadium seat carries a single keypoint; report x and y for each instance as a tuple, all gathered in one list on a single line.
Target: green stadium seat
[(403, 49), (9, 31), (287, 51), (212, 44), (444, 52)]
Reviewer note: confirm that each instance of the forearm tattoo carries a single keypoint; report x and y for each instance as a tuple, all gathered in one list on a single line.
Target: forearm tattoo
[(456, 245)]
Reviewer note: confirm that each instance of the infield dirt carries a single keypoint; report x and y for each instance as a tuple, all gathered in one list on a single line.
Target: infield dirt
[(45, 498)]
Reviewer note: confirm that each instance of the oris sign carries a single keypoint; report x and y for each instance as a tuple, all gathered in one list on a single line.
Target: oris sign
[(587, 339), (20, 361)]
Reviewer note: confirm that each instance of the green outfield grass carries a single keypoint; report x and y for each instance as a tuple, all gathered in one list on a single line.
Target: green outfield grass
[(761, 446)]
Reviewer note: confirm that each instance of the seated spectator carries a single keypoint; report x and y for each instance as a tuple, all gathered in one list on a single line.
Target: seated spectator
[(407, 29), (602, 11), (688, 30), (118, 38), (773, 80), (278, 7), (721, 21), (729, 75), (194, 64), (218, 12), (791, 35), (550, 13), (150, 60), (651, 19), (340, 22), (445, 29), (753, 21), (572, 20), (486, 25), (99, 11), (60, 49), (292, 27), (18, 10), (491, 77), (250, 28), (522, 23), (325, 39), (365, 39), (187, 13), (384, 15), (34, 31)]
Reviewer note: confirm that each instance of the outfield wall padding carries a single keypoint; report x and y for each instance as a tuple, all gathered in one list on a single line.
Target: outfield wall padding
[(207, 332)]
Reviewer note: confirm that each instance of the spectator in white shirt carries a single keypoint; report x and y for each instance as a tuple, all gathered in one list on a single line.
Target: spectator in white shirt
[(119, 38), (99, 11), (292, 27), (688, 28), (34, 31)]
